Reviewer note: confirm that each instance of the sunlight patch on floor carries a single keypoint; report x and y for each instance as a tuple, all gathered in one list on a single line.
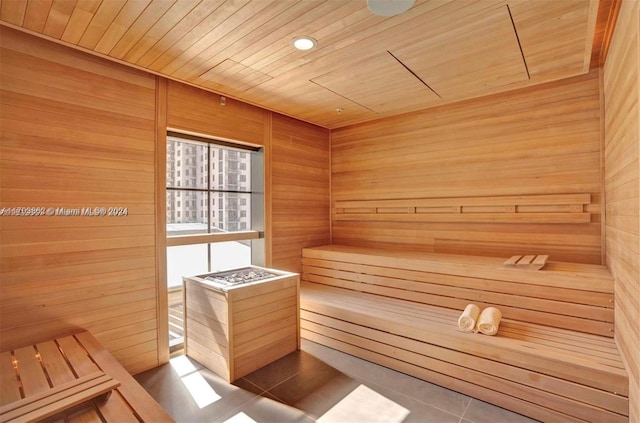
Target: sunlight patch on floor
[(182, 365), (197, 386), (240, 418), (365, 405)]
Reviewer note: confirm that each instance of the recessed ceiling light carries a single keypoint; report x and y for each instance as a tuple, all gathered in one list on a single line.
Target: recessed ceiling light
[(304, 43), (389, 7)]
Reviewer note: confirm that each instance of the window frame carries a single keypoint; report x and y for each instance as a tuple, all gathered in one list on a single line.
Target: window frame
[(245, 235)]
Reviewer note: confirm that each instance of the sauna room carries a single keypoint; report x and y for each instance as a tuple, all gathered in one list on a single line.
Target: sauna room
[(349, 211)]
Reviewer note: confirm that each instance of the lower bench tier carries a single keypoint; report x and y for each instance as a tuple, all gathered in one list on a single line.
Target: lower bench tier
[(544, 373), (55, 378)]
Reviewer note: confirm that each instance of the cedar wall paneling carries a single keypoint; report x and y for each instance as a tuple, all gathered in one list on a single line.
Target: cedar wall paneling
[(194, 110), (297, 166), (77, 132), (300, 190), (622, 186), (542, 140)]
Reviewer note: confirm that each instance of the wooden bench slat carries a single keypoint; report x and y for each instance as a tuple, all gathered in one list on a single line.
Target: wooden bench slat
[(83, 415), (115, 409), (77, 356), (33, 378), (55, 364), (58, 399), (9, 391), (606, 351)]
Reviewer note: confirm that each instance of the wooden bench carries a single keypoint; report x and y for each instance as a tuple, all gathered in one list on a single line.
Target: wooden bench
[(71, 378), (553, 359), (56, 400)]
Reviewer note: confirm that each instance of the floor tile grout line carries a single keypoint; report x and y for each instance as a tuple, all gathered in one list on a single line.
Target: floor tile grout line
[(262, 390), (234, 410), (465, 410), (285, 380)]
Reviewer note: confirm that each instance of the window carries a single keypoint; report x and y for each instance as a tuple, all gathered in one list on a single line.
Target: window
[(214, 207)]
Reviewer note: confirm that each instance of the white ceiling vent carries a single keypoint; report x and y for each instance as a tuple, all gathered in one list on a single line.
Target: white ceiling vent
[(389, 7)]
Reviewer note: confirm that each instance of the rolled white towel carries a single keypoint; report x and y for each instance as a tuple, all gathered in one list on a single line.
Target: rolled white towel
[(468, 318), (489, 321)]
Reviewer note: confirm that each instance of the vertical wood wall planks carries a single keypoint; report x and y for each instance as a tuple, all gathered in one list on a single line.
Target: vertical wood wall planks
[(621, 83), (300, 190)]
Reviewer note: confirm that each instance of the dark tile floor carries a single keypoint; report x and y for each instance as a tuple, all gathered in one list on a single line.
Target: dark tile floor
[(315, 384)]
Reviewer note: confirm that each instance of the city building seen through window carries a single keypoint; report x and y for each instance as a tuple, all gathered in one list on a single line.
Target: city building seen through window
[(212, 189)]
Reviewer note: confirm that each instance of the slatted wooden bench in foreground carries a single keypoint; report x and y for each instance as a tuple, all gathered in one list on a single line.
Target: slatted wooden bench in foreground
[(71, 379), (554, 357)]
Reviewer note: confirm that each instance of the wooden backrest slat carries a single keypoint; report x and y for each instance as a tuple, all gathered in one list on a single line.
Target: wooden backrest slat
[(439, 217), (506, 200), (553, 208)]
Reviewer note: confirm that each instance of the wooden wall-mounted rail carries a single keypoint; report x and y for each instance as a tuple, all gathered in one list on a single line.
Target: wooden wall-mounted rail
[(549, 208)]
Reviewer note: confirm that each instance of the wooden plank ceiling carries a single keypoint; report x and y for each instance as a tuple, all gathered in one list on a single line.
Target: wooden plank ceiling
[(364, 67)]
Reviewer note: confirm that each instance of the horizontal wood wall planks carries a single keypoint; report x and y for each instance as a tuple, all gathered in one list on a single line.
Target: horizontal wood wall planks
[(77, 132), (621, 88), (538, 143), (195, 110)]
